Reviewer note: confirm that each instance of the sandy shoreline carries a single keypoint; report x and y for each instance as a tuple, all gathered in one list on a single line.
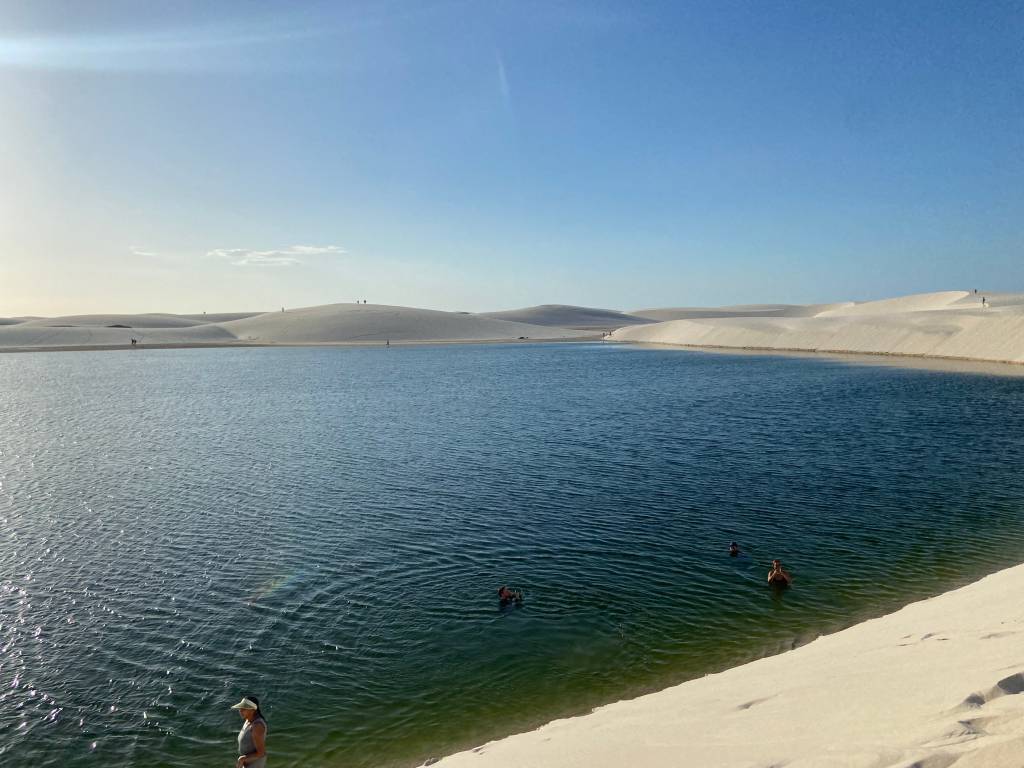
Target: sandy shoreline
[(898, 359), (288, 345), (929, 362), (933, 684), (122, 347)]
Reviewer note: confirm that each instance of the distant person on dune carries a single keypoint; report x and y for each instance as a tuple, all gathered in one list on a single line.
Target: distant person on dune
[(778, 576), (252, 739), (734, 550)]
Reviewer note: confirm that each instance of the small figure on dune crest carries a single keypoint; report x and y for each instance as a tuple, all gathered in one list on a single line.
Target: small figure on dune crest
[(508, 596), (734, 550), (779, 576), (134, 342)]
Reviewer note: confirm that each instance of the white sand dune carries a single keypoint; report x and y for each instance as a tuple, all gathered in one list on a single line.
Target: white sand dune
[(148, 320), (329, 324), (131, 321), (951, 324), (920, 302), (335, 323), (739, 310), (933, 685), (568, 316), (220, 317)]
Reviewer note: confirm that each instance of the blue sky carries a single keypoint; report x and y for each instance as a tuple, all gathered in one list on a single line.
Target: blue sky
[(486, 155)]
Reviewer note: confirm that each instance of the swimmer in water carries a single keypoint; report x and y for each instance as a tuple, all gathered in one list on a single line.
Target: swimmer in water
[(734, 550), (778, 576), (508, 596)]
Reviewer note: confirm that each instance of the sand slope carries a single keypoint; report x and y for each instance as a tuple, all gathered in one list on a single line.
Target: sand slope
[(377, 322), (1009, 301), (132, 321), (148, 320), (936, 684), (220, 317), (568, 316), (740, 310), (921, 302), (948, 324)]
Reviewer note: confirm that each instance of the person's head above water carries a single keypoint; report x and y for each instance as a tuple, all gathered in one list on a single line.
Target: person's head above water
[(506, 595), (776, 563)]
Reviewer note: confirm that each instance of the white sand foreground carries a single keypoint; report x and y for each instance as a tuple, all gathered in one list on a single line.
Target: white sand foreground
[(935, 684), (950, 324)]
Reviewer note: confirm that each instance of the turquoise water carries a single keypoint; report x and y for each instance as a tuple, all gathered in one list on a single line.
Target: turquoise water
[(326, 528)]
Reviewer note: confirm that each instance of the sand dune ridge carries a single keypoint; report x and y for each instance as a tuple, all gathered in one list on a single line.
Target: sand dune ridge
[(952, 324)]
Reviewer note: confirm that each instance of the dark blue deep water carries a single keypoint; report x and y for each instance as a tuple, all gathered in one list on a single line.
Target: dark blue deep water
[(327, 528)]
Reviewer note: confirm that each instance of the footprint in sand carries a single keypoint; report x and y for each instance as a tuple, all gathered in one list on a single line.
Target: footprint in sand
[(927, 636), (995, 635), (753, 703), (1010, 685)]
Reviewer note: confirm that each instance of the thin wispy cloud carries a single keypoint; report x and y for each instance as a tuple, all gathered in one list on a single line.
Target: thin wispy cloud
[(143, 50), (503, 87), (247, 41), (279, 257), (141, 253)]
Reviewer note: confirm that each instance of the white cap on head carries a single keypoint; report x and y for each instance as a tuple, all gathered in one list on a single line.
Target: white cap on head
[(245, 704)]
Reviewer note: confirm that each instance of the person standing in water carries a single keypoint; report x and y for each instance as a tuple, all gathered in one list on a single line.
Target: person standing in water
[(779, 576), (252, 739)]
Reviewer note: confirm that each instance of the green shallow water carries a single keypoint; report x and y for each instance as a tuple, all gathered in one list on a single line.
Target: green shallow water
[(326, 528)]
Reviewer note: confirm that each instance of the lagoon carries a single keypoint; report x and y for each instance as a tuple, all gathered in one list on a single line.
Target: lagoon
[(327, 527)]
